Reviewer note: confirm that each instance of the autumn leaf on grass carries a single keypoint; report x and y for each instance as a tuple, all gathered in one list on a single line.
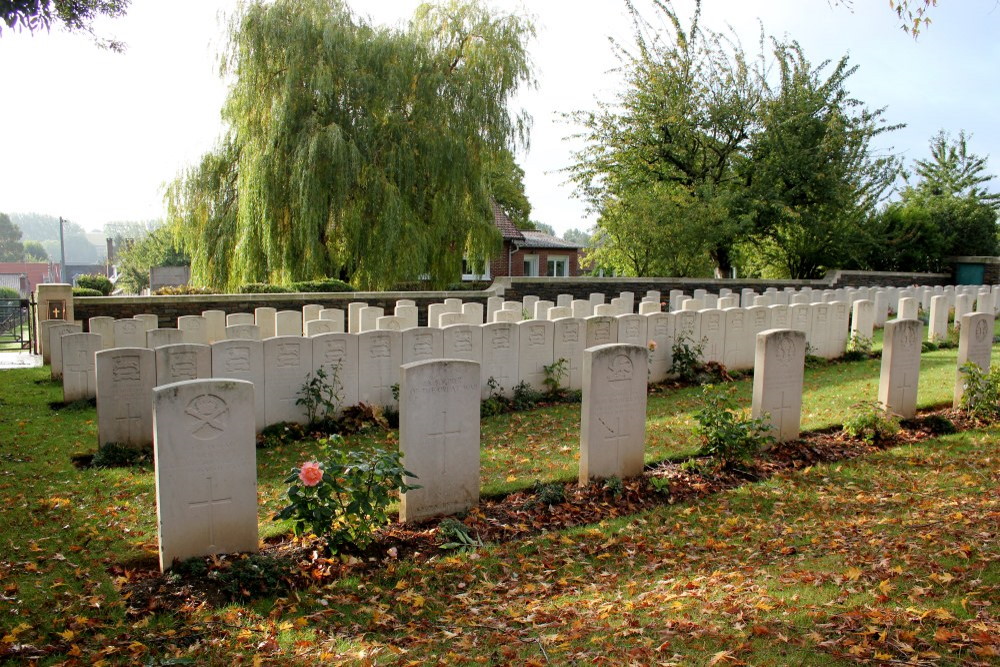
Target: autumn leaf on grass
[(853, 573)]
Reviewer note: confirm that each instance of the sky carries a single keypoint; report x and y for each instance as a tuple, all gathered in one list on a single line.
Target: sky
[(93, 136)]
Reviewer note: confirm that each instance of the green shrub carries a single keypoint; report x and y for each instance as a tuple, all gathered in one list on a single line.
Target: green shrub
[(981, 397), (344, 498), (320, 395), (96, 282), (872, 423), (180, 290), (614, 486), (263, 288), (324, 285), (525, 397), (495, 403), (551, 493), (728, 434), (687, 355), (85, 291), (555, 373), (254, 576), (858, 348), (9, 293), (282, 433)]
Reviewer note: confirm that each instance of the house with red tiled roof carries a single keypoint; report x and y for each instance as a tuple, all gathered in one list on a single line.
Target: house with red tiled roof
[(529, 252), (33, 272)]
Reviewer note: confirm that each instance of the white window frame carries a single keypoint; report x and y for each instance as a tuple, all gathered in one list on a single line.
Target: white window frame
[(555, 261), (530, 265), (476, 276)]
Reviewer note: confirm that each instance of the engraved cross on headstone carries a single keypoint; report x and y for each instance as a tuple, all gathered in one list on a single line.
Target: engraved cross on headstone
[(615, 434), (129, 420), (209, 503), (441, 434), (908, 385), (784, 410)]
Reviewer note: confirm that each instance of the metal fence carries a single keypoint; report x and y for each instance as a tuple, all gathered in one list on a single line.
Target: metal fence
[(16, 324)]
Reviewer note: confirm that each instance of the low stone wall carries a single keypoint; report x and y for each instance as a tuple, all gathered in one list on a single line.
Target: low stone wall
[(549, 288), (169, 308)]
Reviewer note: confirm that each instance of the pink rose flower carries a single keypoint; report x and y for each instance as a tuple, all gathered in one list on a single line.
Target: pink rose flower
[(651, 345), (311, 473)]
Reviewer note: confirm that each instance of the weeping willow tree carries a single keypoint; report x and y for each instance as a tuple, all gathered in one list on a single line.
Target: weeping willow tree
[(355, 150)]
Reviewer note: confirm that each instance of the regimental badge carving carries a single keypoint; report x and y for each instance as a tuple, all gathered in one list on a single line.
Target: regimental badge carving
[(737, 321), (536, 335), (631, 329), (238, 359), (463, 341), (786, 350), (602, 331), (571, 333), (129, 327), (620, 369), (380, 347), (393, 325), (423, 345), (661, 327), (126, 369), (183, 365), (208, 416), (335, 350), (981, 330), (713, 322), (288, 355), (501, 338), (908, 337)]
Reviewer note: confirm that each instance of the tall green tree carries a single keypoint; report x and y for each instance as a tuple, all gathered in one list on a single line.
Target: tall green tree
[(159, 248), (35, 252), (11, 248), (813, 176), (73, 15), (684, 120), (355, 150)]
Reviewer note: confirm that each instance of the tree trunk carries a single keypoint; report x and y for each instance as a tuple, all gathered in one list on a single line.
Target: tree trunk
[(723, 262)]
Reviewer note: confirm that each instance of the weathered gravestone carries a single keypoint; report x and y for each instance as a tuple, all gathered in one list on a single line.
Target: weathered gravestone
[(287, 365), (159, 337), (369, 318), (55, 333), (569, 339), (908, 308), (535, 349), (206, 469), (215, 325), (380, 354), (265, 317), (738, 354), (863, 321), (632, 329), (473, 312), (898, 380), (149, 321), (601, 330), (500, 358), (422, 343), (613, 415), (125, 379), (241, 359), (105, 327), (243, 332), (195, 329), (975, 345), (410, 315), (79, 369), (393, 323), (288, 323), (337, 355), (179, 363), (335, 315), (778, 372), (310, 312), (462, 341), (439, 437), (240, 319), (713, 334), (937, 324), (316, 326), (660, 329), (129, 333)]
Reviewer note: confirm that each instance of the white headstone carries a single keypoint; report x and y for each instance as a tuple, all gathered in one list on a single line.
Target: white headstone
[(632, 330), (840, 313), (801, 317), (125, 378), (975, 345), (56, 332), (206, 469), (863, 320), (881, 300), (613, 415), (439, 437), (473, 312), (506, 317), (240, 319), (335, 315), (215, 323), (79, 369), (542, 309), (243, 332), (448, 319), (105, 327), (149, 321), (182, 362), (660, 329), (194, 328), (569, 339), (462, 341), (129, 333), (265, 317), (409, 314), (908, 308), (535, 350), (354, 316), (500, 358), (780, 317), (687, 327), (158, 337), (963, 305), (240, 359), (582, 308), (713, 334), (559, 312), (434, 313), (422, 344), (493, 304), (337, 355), (779, 368), (564, 300), (937, 325), (316, 326), (310, 312), (649, 307), (740, 340), (380, 354), (596, 298), (528, 305), (288, 323), (288, 364), (898, 381), (601, 330)]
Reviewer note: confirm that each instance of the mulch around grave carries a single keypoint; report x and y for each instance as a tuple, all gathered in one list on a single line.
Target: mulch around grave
[(287, 564)]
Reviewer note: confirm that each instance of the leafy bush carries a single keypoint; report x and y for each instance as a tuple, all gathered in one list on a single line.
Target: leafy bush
[(872, 423), (858, 348), (551, 493), (118, 455), (255, 575), (362, 417), (981, 398), (525, 397), (96, 282), (344, 498), (614, 486), (180, 290), (728, 434), (282, 433), (84, 291), (263, 288), (687, 364), (456, 535), (324, 285), (320, 395), (495, 402), (9, 293), (555, 373)]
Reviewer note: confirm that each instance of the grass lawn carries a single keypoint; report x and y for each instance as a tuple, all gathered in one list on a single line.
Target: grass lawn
[(890, 557)]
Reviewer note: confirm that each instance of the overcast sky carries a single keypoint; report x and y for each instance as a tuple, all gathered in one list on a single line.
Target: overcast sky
[(93, 136)]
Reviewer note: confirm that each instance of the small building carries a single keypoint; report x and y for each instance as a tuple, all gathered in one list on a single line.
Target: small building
[(33, 272), (530, 253)]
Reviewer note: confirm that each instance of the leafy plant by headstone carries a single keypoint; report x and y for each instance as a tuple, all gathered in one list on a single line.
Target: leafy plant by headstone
[(729, 434), (320, 395), (981, 398), (872, 423)]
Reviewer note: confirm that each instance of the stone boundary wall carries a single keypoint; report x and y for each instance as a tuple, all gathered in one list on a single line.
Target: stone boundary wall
[(549, 288), (169, 308)]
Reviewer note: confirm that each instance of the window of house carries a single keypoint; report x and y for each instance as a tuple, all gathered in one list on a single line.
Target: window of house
[(530, 265), (470, 272), (558, 266)]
